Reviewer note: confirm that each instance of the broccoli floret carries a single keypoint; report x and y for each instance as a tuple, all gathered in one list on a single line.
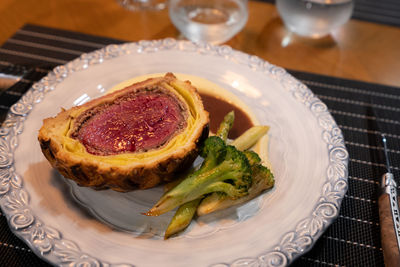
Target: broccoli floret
[(262, 176), (212, 151), (263, 179), (259, 172), (225, 169), (253, 157)]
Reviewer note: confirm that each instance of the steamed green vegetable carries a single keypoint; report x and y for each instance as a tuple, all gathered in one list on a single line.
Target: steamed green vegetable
[(229, 175), (250, 137), (263, 179), (184, 214), (224, 169), (182, 217), (226, 126)]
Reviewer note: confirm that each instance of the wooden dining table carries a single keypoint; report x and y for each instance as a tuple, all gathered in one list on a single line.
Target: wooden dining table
[(358, 50), (360, 59)]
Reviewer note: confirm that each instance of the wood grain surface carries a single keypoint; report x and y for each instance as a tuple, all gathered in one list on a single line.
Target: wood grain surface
[(388, 234), (358, 50)]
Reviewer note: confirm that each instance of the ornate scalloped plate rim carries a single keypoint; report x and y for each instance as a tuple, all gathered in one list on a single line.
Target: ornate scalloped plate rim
[(49, 244)]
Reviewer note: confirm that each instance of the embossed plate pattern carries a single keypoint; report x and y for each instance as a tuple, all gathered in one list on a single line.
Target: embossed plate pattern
[(306, 151)]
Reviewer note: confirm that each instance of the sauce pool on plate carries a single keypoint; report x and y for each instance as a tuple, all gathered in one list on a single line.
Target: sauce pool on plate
[(218, 108)]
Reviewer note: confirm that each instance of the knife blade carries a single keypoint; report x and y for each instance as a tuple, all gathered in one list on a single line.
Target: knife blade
[(389, 215), (10, 74)]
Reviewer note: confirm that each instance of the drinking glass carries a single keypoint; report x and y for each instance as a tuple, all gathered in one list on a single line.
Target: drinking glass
[(213, 21), (314, 18), (137, 5)]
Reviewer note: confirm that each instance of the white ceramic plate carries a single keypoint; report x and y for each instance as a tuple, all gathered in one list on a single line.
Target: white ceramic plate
[(306, 150)]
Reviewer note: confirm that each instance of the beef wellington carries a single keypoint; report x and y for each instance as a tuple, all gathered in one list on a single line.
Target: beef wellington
[(133, 138)]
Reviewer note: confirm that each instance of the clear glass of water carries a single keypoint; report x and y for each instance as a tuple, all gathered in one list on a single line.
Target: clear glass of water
[(213, 21), (314, 18), (139, 5)]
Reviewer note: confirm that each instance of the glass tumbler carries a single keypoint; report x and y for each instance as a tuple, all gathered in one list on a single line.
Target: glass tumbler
[(314, 18), (213, 21)]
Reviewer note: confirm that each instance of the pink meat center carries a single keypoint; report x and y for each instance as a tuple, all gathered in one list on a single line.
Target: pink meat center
[(139, 123)]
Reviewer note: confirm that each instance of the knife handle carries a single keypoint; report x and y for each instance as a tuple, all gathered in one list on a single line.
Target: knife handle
[(388, 235)]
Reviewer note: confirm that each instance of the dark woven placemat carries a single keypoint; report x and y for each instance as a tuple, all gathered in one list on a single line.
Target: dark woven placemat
[(378, 11), (352, 240)]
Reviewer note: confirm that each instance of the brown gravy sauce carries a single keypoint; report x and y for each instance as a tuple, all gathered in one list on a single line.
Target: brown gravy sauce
[(218, 108)]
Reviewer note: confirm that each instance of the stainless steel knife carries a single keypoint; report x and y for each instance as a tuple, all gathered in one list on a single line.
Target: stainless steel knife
[(389, 215)]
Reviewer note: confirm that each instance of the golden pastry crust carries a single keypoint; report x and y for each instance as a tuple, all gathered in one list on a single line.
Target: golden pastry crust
[(125, 171)]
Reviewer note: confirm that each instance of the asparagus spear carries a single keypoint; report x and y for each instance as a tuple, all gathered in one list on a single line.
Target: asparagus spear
[(182, 218), (250, 137), (226, 125)]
